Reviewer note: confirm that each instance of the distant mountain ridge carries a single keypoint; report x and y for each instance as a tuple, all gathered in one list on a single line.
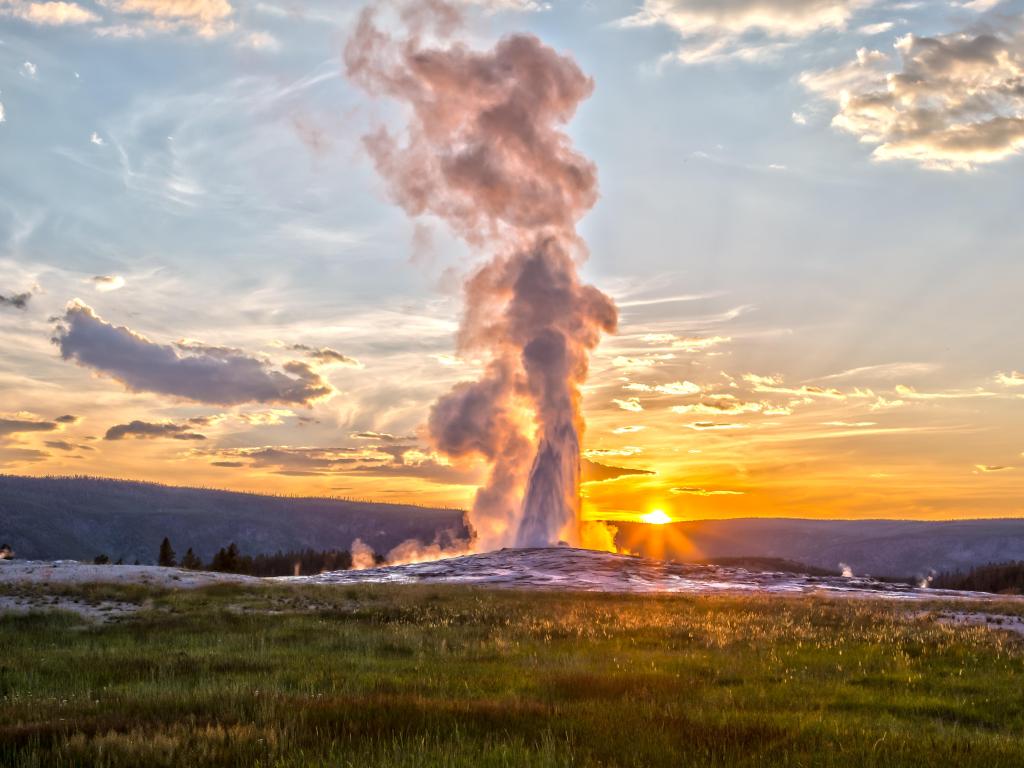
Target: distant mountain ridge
[(45, 518), (898, 548)]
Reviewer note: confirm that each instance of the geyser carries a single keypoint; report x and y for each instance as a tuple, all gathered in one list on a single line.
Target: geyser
[(484, 149)]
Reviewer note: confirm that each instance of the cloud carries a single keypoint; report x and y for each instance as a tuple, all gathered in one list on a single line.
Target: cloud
[(695, 491), (1011, 379), (724, 405), (746, 30), (29, 70), (205, 374), (629, 404), (95, 138), (326, 355), (953, 102), (146, 429), (67, 418), (21, 422), (986, 468), (261, 41), (629, 450), (205, 18), (627, 430), (776, 385), (876, 29), (909, 393), (593, 472), (883, 371), (373, 461), (384, 437), (107, 283), (50, 14), (686, 344), (15, 300), (672, 388), (3, 113), (703, 426)]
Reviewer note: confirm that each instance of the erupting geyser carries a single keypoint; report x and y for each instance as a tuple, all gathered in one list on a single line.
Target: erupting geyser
[(484, 150)]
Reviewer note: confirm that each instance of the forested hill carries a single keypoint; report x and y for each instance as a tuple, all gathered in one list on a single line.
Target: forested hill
[(81, 517)]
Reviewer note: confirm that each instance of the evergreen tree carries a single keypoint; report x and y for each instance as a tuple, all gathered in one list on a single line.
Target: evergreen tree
[(190, 561), (166, 557), (101, 560)]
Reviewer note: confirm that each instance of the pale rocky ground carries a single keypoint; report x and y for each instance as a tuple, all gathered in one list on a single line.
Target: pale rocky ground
[(73, 572), (26, 582)]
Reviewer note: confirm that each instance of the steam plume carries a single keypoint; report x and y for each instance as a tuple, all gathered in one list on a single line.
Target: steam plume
[(484, 150)]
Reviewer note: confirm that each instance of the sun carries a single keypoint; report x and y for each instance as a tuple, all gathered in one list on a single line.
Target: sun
[(656, 517)]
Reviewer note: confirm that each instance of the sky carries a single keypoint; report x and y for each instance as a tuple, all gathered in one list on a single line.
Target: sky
[(808, 217)]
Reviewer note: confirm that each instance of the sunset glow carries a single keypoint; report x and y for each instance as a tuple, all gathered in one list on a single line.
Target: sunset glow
[(657, 517), (209, 279)]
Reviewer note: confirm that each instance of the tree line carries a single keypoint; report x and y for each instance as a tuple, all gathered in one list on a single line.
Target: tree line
[(230, 559), (999, 578)]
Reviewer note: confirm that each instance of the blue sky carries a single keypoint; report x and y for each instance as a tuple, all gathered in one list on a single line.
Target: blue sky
[(765, 223)]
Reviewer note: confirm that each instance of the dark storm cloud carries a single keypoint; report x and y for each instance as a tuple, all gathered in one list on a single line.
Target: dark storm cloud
[(195, 371), (146, 429)]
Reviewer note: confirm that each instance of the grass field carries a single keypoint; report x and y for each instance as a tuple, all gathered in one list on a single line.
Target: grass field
[(424, 676)]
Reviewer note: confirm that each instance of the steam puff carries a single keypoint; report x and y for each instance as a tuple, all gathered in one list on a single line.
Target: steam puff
[(485, 151), (205, 374)]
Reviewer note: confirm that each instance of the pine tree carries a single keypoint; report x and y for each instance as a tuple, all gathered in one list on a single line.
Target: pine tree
[(166, 557), (190, 561), (101, 560)]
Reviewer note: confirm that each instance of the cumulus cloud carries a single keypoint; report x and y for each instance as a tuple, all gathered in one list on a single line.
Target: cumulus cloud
[(146, 429), (29, 70), (3, 114), (951, 102), (193, 371), (15, 300), (50, 14), (746, 30), (326, 355)]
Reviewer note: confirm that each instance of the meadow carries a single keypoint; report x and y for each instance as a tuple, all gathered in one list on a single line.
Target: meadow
[(380, 675)]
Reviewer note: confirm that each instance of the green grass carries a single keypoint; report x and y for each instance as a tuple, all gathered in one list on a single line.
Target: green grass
[(424, 676)]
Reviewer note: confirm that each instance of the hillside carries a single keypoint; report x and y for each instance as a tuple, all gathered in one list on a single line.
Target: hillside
[(78, 518), (877, 547)]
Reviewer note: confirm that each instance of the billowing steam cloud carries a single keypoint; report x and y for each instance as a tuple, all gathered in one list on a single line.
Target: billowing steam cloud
[(484, 150)]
